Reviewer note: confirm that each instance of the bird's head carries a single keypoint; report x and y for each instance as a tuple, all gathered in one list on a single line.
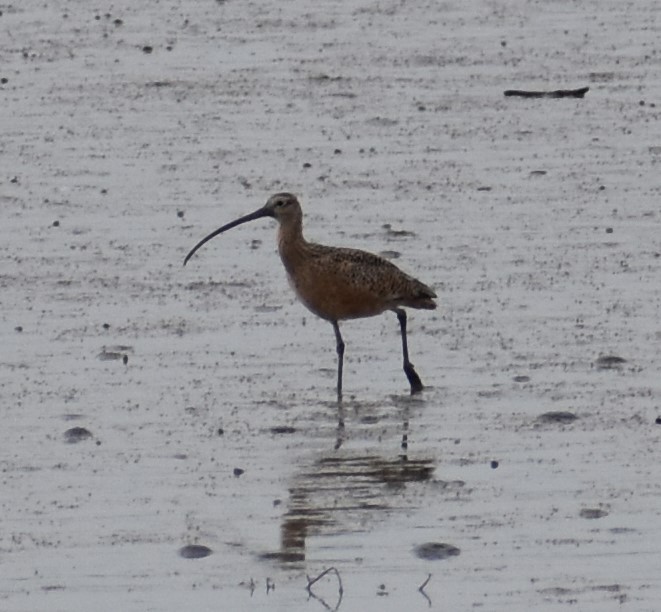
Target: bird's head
[(283, 207)]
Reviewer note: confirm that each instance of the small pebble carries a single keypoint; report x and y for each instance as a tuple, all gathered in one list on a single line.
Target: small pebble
[(593, 513), (194, 551), (283, 429), (609, 362), (109, 355), (557, 416), (76, 434), (435, 551)]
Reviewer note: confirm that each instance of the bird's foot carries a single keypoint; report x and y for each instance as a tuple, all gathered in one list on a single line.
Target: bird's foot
[(414, 379)]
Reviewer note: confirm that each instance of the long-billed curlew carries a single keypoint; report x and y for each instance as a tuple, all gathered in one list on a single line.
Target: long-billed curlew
[(338, 283)]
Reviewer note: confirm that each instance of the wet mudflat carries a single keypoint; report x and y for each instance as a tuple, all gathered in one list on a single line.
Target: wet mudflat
[(170, 439)]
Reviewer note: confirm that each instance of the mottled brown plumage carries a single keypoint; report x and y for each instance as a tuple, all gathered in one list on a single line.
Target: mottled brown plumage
[(339, 283)]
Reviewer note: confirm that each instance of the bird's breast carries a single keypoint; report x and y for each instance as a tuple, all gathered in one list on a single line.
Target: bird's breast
[(329, 296), (334, 302), (338, 283)]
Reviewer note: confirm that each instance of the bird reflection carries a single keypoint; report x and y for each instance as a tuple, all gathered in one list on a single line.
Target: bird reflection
[(343, 494)]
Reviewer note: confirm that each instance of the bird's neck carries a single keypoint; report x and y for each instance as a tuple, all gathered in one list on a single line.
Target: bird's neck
[(291, 244)]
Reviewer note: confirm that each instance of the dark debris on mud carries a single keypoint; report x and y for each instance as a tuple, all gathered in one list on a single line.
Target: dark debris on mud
[(194, 551), (557, 416), (77, 434), (435, 551)]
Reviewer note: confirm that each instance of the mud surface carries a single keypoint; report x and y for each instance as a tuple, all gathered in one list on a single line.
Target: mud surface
[(170, 439)]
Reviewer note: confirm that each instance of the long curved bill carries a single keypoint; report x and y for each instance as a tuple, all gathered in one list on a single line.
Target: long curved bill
[(258, 214)]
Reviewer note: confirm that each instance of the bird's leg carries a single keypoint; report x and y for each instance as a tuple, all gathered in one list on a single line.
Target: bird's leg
[(409, 370), (405, 435), (339, 437), (340, 359)]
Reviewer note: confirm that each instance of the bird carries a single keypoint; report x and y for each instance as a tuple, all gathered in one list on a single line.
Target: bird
[(338, 283)]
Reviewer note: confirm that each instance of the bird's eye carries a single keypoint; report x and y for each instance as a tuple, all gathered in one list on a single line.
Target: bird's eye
[(280, 203)]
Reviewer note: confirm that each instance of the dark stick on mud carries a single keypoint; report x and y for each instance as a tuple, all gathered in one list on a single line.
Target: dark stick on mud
[(558, 93), (421, 588), (340, 589)]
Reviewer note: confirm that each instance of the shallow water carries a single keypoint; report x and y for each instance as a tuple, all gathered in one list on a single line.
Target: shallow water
[(149, 407)]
